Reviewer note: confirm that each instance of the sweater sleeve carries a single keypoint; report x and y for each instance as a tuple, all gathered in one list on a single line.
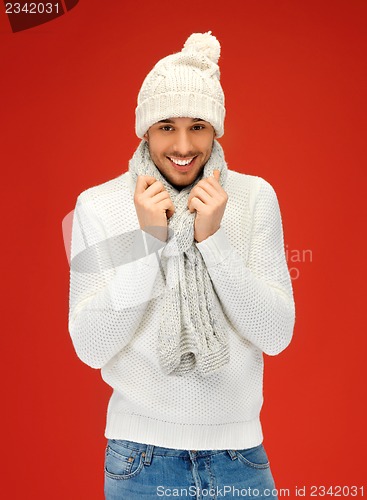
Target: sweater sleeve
[(256, 295), (111, 284)]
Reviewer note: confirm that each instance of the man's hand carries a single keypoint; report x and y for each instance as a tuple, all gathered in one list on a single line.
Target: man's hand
[(209, 200), (153, 206)]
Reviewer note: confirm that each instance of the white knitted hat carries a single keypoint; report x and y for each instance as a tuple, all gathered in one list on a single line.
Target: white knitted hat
[(185, 84)]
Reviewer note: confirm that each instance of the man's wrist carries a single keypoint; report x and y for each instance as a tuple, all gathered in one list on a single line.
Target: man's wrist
[(215, 248), (207, 236)]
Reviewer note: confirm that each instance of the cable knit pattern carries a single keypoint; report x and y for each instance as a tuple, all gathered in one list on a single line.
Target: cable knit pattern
[(116, 291)]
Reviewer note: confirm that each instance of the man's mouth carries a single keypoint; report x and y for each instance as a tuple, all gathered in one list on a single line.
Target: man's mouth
[(182, 164)]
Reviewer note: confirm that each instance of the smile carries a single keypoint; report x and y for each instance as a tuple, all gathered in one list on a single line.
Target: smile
[(182, 164)]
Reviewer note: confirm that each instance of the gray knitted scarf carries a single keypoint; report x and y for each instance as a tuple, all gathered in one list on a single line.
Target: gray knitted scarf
[(191, 331)]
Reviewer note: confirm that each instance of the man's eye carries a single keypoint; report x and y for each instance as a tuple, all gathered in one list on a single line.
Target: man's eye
[(166, 127), (198, 127)]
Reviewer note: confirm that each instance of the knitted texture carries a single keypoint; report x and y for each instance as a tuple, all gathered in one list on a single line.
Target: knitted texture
[(185, 84), (191, 331), (115, 307)]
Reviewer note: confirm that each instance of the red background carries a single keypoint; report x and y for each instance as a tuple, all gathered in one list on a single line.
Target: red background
[(294, 74)]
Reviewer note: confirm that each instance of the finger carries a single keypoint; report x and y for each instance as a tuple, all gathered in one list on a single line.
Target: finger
[(170, 210), (190, 207), (203, 195), (162, 195), (216, 174), (196, 204), (167, 206), (211, 181), (153, 189), (210, 186), (192, 194), (142, 182)]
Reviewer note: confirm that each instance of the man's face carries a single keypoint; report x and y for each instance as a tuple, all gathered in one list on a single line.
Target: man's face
[(180, 147)]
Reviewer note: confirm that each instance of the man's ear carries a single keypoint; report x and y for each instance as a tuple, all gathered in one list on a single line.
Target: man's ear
[(146, 137)]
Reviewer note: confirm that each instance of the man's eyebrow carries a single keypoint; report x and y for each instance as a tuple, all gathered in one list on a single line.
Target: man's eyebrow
[(172, 121)]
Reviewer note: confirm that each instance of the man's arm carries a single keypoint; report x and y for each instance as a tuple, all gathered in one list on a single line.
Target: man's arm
[(109, 292), (256, 296)]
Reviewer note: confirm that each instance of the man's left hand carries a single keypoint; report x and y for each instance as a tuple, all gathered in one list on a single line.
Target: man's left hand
[(209, 200)]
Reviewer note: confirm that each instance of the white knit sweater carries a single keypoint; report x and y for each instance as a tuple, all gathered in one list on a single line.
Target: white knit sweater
[(115, 295)]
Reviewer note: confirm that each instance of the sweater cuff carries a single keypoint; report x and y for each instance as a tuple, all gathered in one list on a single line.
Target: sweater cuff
[(215, 248)]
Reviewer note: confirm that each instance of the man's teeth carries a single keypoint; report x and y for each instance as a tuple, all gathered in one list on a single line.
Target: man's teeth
[(182, 163)]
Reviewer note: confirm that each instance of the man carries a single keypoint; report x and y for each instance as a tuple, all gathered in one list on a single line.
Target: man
[(179, 283)]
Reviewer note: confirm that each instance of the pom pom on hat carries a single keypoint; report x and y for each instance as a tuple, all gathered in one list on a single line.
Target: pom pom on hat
[(203, 42)]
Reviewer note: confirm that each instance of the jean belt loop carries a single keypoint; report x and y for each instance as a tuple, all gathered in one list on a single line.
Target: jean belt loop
[(232, 454), (148, 454)]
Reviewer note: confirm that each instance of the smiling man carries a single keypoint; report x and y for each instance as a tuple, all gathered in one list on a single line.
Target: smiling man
[(178, 286), (180, 147)]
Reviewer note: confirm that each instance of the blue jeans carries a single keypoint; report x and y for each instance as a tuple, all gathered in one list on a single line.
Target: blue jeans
[(139, 471)]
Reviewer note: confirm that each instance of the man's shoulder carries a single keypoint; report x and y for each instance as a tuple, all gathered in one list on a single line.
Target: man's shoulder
[(239, 184), (236, 178), (240, 180)]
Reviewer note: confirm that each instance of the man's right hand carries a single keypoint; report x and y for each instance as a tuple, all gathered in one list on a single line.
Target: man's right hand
[(153, 206)]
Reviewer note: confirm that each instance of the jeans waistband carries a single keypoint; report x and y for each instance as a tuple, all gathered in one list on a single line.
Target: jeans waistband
[(149, 450)]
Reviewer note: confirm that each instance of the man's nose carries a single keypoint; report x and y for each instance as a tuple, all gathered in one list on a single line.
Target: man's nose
[(183, 143)]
